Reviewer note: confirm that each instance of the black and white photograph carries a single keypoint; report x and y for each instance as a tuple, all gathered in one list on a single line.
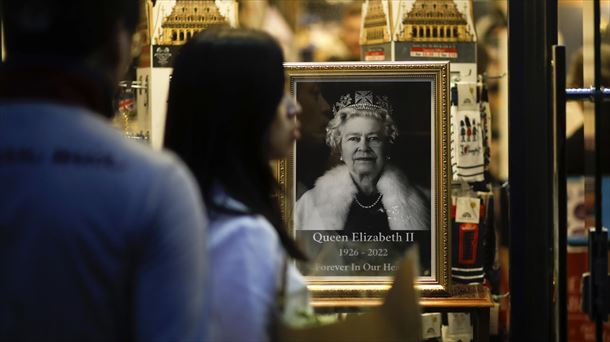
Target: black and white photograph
[(363, 175)]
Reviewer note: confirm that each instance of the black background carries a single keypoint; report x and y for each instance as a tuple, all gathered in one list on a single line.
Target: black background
[(411, 101)]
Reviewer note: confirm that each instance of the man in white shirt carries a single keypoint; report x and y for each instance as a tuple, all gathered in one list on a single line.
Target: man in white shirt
[(100, 237)]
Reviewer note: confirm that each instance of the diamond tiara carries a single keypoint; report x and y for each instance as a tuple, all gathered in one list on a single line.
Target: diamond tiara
[(363, 99)]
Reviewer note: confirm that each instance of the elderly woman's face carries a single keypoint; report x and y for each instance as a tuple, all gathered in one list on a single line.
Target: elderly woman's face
[(363, 146)]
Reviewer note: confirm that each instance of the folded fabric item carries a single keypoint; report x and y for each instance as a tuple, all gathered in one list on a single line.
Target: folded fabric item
[(468, 162), (470, 252)]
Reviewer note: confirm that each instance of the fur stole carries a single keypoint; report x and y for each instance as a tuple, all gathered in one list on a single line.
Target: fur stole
[(326, 206)]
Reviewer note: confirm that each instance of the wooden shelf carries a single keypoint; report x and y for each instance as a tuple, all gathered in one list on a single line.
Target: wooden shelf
[(461, 296), (473, 299)]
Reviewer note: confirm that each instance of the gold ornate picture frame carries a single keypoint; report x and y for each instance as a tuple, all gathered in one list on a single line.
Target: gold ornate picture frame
[(370, 176)]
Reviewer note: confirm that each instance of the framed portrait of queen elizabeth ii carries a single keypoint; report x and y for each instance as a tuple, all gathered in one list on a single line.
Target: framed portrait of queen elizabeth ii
[(369, 178)]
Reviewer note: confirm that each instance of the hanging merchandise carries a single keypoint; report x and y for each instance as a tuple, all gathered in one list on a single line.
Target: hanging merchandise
[(473, 237), (485, 123), (468, 158)]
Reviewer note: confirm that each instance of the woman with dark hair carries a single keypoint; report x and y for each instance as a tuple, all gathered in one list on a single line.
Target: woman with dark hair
[(227, 118)]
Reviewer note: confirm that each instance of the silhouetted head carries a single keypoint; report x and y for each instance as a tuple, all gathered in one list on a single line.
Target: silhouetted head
[(225, 96), (93, 32)]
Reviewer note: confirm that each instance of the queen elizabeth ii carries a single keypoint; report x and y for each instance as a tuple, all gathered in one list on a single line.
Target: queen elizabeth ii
[(365, 193)]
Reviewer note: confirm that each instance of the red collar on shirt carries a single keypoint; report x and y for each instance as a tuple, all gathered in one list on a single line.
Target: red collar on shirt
[(56, 83)]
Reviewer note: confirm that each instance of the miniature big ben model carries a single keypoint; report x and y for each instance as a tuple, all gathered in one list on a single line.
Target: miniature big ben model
[(187, 18), (376, 33), (435, 21), (376, 27), (438, 30)]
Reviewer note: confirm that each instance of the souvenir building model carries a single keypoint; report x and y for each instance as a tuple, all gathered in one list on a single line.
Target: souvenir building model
[(438, 30), (376, 28), (435, 21), (376, 33), (187, 18)]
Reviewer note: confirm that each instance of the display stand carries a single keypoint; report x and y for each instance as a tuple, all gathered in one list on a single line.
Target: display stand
[(473, 299), (476, 301)]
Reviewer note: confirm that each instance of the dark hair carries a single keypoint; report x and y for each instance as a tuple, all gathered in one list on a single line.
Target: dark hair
[(224, 93), (73, 28)]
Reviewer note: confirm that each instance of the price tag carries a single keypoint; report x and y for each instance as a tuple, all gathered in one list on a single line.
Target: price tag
[(467, 96), (467, 210)]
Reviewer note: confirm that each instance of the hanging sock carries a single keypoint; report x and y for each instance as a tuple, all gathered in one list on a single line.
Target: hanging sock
[(485, 125), (468, 163)]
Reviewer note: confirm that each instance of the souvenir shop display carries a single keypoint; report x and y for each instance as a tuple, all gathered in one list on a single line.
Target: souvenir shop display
[(428, 125)]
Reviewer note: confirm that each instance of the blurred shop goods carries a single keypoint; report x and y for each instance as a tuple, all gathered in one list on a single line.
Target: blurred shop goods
[(132, 113), (132, 116), (261, 15), (576, 208), (431, 326), (458, 328), (142, 36), (580, 327), (350, 30), (329, 40), (320, 42)]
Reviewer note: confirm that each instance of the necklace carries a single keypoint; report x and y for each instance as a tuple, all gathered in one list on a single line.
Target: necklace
[(367, 206)]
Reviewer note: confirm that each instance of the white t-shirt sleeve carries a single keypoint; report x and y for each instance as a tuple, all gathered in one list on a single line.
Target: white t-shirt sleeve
[(247, 260)]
